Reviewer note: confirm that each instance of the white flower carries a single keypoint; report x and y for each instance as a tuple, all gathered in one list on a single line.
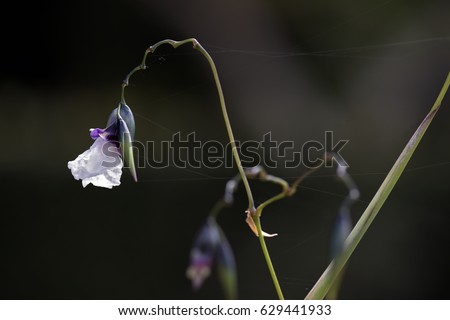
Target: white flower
[(101, 165)]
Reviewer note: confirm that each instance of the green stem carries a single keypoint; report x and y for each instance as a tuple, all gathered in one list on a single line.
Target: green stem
[(257, 220), (270, 201), (266, 254), (196, 45), (327, 279)]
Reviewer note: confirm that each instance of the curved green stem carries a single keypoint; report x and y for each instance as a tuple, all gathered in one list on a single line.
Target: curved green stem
[(251, 204), (196, 45)]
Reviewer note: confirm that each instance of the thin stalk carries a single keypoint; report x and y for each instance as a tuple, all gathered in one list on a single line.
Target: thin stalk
[(266, 254), (257, 220), (327, 279)]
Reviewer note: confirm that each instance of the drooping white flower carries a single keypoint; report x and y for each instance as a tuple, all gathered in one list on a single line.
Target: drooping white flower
[(101, 165)]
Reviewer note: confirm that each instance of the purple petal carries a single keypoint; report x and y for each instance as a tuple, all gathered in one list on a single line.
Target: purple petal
[(95, 133)]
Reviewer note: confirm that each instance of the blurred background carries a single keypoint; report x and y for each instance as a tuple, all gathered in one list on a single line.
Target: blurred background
[(367, 70)]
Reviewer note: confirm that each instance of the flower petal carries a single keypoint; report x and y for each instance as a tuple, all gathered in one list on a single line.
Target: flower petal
[(95, 133), (101, 165)]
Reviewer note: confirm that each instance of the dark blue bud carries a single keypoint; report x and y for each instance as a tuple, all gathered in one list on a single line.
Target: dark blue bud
[(127, 115), (126, 146)]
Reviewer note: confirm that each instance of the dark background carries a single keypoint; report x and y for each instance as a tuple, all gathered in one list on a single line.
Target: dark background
[(61, 69)]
